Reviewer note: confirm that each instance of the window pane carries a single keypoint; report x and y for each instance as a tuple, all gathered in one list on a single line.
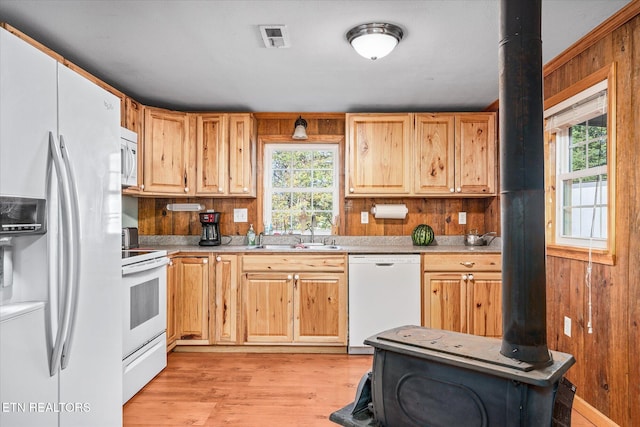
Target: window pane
[(322, 179), (281, 201), (281, 160), (578, 160), (323, 160), (301, 179), (281, 179), (323, 202), (302, 160), (301, 201), (597, 153)]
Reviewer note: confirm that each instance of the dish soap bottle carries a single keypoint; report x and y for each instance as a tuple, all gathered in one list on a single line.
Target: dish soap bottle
[(251, 236)]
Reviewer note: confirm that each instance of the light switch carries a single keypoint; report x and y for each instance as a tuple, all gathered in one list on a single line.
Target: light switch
[(567, 326), (364, 217), (240, 215), (462, 218)]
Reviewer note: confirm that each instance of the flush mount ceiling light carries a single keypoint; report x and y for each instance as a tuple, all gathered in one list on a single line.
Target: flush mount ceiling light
[(374, 40), (300, 129)]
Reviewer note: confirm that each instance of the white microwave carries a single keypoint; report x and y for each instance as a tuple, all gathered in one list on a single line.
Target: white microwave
[(129, 157)]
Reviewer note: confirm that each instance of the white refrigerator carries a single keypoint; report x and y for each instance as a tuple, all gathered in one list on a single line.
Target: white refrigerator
[(60, 292)]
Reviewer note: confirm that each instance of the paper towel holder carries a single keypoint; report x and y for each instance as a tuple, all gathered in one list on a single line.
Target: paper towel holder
[(389, 211)]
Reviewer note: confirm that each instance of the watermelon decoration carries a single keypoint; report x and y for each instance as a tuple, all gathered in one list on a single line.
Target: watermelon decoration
[(422, 235)]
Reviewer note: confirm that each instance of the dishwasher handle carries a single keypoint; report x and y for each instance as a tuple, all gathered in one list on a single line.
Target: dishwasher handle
[(385, 264)]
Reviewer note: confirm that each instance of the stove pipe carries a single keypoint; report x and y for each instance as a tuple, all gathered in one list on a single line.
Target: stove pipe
[(522, 183)]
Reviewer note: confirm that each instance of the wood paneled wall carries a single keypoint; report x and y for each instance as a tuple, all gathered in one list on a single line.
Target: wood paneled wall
[(607, 372), (441, 214)]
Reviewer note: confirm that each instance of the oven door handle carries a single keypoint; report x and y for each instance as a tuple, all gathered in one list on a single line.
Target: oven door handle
[(144, 266)]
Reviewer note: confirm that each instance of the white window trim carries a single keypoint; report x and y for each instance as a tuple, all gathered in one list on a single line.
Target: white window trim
[(268, 189), (564, 119)]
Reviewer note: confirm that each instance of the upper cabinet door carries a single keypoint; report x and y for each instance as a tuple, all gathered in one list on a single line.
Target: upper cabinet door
[(476, 154), (167, 165), (434, 154), (242, 155), (378, 154), (211, 154)]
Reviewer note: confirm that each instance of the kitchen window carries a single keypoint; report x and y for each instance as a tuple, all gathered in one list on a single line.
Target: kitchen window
[(578, 130), (300, 180)]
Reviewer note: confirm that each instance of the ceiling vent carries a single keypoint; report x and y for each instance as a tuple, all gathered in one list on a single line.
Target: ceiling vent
[(275, 36)]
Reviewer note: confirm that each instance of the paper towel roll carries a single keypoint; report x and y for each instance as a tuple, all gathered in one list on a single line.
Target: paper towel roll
[(390, 211)]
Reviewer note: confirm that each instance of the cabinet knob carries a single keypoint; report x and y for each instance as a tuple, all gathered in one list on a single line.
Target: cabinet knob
[(471, 277), (351, 190), (464, 277), (205, 261), (467, 264), (452, 190), (458, 189), (186, 189), (245, 189), (142, 186), (296, 276), (218, 258), (170, 263), (289, 277), (219, 189)]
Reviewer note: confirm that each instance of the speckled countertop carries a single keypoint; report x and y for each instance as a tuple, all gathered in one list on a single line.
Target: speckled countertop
[(334, 244)]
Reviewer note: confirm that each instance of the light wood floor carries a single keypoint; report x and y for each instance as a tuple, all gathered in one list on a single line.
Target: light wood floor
[(229, 389)]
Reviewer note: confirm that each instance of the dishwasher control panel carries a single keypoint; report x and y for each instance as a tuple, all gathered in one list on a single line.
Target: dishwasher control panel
[(385, 259)]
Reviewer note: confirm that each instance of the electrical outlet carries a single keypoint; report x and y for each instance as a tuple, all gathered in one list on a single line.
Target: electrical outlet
[(240, 215), (567, 326), (462, 218), (364, 217)]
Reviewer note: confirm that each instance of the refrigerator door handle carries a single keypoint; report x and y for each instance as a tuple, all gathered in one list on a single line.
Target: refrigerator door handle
[(65, 214), (75, 250)]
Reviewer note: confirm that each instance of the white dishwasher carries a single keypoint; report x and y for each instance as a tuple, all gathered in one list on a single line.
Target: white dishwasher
[(384, 293)]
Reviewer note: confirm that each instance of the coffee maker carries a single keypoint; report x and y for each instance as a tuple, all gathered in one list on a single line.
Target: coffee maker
[(210, 221)]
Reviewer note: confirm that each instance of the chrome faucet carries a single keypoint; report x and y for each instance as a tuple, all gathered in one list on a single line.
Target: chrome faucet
[(312, 227)]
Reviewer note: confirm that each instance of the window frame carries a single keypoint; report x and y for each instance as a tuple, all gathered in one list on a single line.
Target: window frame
[(565, 247), (336, 140)]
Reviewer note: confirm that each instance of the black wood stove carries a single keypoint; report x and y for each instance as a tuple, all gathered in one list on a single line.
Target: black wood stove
[(430, 377)]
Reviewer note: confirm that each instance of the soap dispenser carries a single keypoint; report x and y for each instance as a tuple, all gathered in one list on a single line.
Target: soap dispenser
[(251, 236)]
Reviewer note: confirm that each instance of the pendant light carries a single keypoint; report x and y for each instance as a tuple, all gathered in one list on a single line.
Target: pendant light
[(374, 40), (300, 129)]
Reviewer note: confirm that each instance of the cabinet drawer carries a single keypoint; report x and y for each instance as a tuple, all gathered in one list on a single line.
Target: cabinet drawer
[(294, 263), (462, 262)]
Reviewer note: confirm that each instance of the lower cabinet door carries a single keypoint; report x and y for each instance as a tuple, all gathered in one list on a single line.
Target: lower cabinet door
[(267, 308), (320, 308)]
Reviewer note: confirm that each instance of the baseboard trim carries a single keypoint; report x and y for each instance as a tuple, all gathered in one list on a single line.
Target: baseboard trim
[(591, 413)]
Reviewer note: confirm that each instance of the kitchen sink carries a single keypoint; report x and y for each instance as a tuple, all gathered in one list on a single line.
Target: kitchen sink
[(289, 246)]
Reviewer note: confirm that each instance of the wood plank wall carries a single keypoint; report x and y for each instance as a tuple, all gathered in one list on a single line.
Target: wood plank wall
[(607, 371), (441, 214)]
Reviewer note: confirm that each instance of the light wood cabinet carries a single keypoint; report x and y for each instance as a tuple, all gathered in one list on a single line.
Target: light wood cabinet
[(455, 154), (242, 155), (172, 305), (294, 299), (225, 154), (421, 154), (378, 152), (167, 153), (211, 158), (475, 171), (193, 299), (203, 154), (434, 153), (463, 293), (227, 304)]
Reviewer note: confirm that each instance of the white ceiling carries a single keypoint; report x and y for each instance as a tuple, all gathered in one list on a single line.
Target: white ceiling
[(208, 55)]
